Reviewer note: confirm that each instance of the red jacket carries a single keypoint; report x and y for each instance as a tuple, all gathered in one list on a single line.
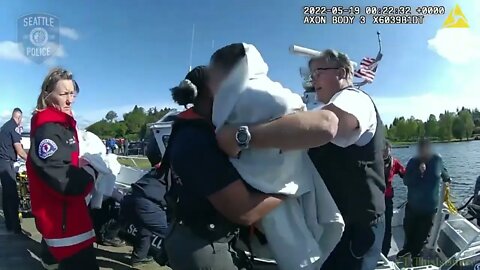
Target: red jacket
[(391, 168), (58, 187)]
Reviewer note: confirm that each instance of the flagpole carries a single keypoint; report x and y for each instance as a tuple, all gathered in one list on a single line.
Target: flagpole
[(191, 49), (379, 42)]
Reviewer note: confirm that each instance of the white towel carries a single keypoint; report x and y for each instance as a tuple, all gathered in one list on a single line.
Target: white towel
[(93, 152), (303, 230)]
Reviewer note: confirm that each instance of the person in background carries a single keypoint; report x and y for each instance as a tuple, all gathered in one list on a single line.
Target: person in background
[(392, 167), (476, 200), (58, 185), (346, 141), (145, 206), (422, 178), (208, 198), (10, 148), (126, 147)]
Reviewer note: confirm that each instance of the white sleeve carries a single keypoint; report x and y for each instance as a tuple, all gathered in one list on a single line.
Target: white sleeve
[(361, 106)]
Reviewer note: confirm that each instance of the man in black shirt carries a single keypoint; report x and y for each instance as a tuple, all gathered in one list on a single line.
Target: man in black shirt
[(10, 147)]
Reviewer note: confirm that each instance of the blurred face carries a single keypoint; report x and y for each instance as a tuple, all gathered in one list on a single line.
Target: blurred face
[(17, 117), (425, 151), (216, 76), (387, 152), (326, 79), (63, 96)]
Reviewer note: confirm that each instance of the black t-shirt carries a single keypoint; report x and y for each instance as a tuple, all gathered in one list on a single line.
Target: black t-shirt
[(8, 137), (202, 168)]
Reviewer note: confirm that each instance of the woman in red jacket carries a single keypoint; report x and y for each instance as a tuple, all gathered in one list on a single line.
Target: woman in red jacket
[(392, 167), (58, 186)]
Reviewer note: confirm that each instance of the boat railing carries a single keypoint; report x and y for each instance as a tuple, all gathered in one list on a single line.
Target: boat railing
[(438, 220)]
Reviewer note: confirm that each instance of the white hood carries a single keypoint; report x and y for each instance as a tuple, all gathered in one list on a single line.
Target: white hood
[(250, 75)]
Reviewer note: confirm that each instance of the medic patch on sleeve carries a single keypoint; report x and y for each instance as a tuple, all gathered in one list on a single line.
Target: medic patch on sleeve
[(47, 148)]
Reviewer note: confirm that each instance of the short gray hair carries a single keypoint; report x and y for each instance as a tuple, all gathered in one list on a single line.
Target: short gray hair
[(339, 59)]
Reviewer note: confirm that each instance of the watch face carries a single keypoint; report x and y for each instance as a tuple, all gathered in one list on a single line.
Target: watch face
[(242, 137)]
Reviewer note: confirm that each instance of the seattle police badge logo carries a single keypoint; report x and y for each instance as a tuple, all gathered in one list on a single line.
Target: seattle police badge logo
[(38, 36)]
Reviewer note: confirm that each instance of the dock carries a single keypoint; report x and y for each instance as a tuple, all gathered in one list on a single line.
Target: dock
[(21, 252)]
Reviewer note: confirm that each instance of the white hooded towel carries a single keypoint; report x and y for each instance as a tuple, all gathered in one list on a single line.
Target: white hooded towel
[(305, 229)]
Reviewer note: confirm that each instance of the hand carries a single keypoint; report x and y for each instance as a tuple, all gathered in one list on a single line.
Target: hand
[(422, 168), (227, 142)]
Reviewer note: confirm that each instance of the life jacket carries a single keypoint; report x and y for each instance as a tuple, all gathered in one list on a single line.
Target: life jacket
[(71, 231), (355, 176)]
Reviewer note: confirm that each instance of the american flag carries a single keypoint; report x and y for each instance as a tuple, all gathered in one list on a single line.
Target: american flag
[(367, 69)]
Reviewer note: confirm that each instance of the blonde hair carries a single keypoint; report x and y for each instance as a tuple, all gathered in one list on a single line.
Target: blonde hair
[(339, 59), (50, 82)]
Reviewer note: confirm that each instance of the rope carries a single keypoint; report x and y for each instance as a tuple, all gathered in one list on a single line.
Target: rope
[(448, 201)]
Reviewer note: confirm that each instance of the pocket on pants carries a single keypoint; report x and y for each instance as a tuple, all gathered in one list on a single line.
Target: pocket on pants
[(361, 241)]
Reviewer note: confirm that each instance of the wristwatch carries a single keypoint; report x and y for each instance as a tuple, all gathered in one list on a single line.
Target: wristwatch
[(243, 137)]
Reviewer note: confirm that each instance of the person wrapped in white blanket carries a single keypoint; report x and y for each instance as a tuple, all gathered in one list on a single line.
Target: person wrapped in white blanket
[(306, 227)]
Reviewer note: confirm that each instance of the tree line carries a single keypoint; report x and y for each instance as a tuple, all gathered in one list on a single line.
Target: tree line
[(133, 127), (462, 124)]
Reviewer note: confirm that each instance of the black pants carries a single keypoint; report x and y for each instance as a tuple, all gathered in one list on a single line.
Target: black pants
[(10, 200), (387, 238), (84, 260), (416, 226), (149, 218)]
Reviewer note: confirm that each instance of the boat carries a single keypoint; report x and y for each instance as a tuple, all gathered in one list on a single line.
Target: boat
[(453, 243)]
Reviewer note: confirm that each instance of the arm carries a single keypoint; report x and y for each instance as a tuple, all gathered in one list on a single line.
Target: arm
[(51, 157), (16, 140), (242, 206), (299, 130), (399, 169), (444, 173), (410, 172), (348, 116), (205, 170)]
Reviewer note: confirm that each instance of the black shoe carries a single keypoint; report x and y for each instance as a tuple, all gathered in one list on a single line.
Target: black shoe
[(48, 262), (137, 261), (161, 258), (403, 253), (115, 242)]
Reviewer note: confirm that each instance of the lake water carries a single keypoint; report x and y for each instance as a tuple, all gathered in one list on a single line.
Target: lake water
[(462, 160)]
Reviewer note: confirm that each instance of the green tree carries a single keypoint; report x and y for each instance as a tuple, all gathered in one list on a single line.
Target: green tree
[(467, 119), (458, 128), (445, 124), (135, 120), (110, 116), (102, 129), (431, 126)]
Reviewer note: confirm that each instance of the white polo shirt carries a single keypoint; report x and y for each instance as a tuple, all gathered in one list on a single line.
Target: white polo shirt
[(358, 104)]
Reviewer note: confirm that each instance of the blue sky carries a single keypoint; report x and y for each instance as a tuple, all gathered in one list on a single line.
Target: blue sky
[(125, 53)]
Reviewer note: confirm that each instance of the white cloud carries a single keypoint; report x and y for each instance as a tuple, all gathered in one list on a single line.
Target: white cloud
[(69, 33), (457, 45), (10, 50)]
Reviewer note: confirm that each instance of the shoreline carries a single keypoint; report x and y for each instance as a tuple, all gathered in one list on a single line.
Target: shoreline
[(406, 144)]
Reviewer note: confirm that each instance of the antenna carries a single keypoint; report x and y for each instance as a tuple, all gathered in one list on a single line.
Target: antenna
[(191, 49)]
